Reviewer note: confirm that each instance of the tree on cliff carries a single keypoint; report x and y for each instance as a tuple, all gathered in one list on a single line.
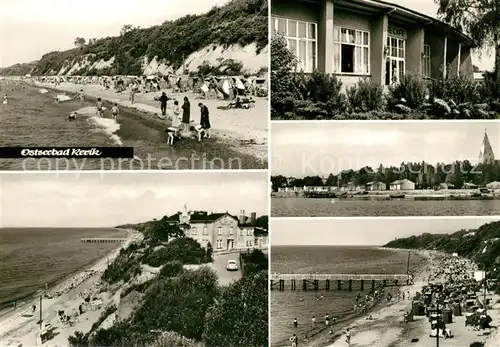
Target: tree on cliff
[(80, 42), (125, 29)]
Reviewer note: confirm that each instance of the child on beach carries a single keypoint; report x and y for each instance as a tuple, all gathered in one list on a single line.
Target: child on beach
[(115, 111), (294, 340), (81, 96), (100, 111), (72, 116), (132, 93)]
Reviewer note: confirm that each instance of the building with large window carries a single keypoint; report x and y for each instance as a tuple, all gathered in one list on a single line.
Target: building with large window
[(223, 231), (369, 39)]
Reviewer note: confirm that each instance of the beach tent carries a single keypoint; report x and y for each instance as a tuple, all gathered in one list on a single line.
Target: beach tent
[(493, 185)]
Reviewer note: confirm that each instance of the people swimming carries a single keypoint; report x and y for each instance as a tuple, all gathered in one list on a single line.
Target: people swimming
[(115, 111), (72, 116), (81, 95), (100, 111)]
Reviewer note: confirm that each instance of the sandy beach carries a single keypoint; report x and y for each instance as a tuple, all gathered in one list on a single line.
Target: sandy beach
[(20, 327), (388, 329), (244, 130)]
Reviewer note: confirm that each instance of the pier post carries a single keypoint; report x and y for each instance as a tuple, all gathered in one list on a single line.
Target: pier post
[(350, 285), (304, 285), (362, 285), (272, 284), (385, 283), (316, 284), (339, 285), (282, 285), (396, 283), (293, 284), (373, 284), (327, 285)]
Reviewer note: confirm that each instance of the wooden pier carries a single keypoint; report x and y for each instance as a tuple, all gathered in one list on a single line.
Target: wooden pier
[(102, 240), (323, 281)]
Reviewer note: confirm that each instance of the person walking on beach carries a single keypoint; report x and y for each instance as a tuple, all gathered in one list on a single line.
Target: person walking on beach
[(314, 321), (163, 103), (186, 113), (115, 111), (131, 96), (295, 323), (294, 340), (327, 320), (348, 337), (205, 119), (81, 96)]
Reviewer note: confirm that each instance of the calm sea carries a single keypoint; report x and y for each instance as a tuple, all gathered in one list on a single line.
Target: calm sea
[(31, 257), (307, 207), (288, 304)]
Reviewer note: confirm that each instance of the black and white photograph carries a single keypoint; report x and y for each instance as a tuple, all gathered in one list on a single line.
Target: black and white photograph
[(185, 83), (385, 60), (349, 169), (134, 259), (350, 282)]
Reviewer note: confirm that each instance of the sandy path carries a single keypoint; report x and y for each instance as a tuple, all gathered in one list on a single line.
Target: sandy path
[(20, 326), (387, 330), (244, 130)]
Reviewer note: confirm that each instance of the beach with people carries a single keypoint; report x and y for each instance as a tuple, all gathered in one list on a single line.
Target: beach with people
[(396, 324), (388, 316), (73, 304)]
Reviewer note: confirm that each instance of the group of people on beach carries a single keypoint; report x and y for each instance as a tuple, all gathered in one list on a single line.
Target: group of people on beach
[(182, 123)]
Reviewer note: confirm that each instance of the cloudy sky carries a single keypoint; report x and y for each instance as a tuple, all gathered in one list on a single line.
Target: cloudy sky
[(31, 28), (484, 60), (364, 231), (109, 199), (317, 148)]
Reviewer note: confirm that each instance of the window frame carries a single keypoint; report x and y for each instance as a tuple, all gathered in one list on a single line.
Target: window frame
[(338, 43), (302, 65), (396, 58), (426, 64)]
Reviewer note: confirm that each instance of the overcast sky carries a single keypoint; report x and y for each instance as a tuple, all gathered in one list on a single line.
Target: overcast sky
[(110, 199), (363, 231), (317, 148), (485, 60), (31, 28)]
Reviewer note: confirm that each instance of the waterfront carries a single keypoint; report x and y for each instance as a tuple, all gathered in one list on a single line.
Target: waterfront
[(308, 207)]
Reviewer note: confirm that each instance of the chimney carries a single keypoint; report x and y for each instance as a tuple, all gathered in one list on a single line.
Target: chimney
[(253, 217), (242, 218)]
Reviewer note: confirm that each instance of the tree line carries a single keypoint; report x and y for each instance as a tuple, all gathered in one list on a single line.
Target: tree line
[(424, 175)]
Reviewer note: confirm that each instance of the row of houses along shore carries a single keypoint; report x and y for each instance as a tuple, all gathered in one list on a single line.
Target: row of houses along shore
[(398, 185)]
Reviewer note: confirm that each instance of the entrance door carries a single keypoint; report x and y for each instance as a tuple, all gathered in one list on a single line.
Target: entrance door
[(395, 60), (230, 244)]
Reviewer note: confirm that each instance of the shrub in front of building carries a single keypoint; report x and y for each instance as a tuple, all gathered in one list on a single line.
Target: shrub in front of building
[(185, 250), (411, 91), (365, 96)]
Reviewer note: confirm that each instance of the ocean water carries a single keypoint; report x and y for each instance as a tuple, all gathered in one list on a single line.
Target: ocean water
[(287, 305), (307, 207), (31, 257)]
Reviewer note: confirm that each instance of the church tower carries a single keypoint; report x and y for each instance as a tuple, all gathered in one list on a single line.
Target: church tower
[(486, 155)]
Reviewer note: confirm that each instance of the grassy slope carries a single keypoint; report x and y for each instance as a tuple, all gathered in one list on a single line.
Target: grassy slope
[(239, 22), (481, 245)]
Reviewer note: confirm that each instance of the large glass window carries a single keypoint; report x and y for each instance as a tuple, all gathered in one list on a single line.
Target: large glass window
[(395, 60), (301, 38), (351, 49), (427, 61)]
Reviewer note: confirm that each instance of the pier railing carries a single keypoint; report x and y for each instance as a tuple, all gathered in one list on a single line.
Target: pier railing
[(339, 277), (102, 240)]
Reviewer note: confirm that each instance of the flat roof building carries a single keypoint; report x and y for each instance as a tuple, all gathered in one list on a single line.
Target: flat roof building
[(369, 38)]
